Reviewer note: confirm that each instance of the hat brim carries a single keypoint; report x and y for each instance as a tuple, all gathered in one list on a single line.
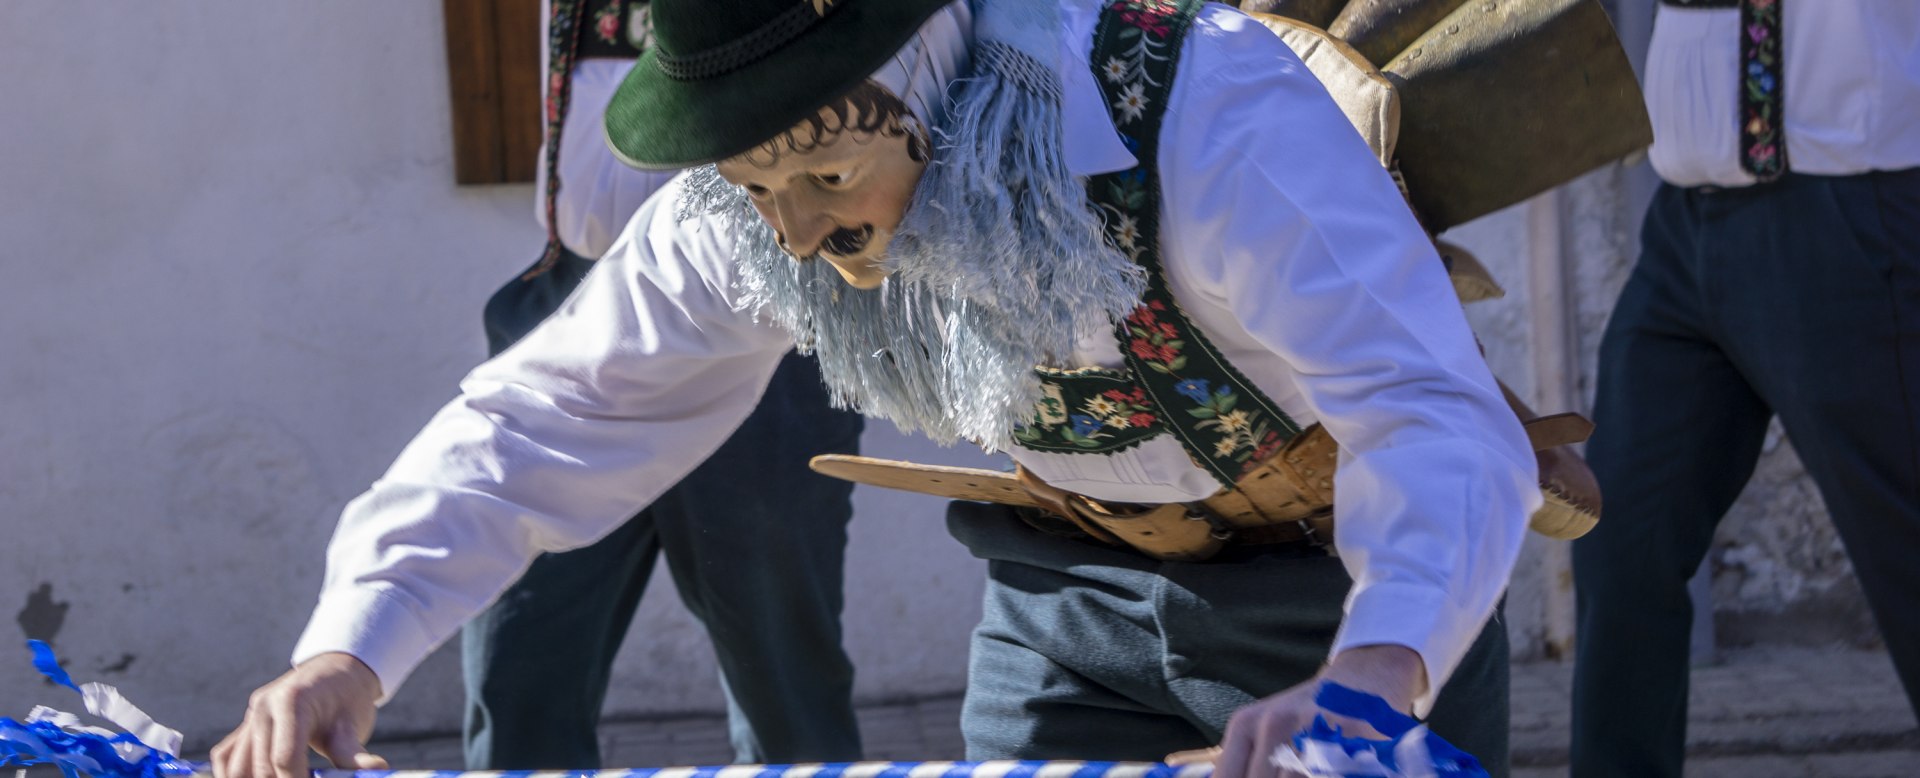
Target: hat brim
[(659, 123)]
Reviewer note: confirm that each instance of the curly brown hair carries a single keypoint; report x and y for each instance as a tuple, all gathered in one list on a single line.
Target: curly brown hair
[(868, 110)]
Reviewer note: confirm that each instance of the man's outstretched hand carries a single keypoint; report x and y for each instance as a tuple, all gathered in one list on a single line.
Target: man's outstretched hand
[(1394, 673), (326, 702)]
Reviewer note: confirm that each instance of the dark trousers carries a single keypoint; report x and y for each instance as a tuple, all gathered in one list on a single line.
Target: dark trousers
[(1087, 652), (755, 543), (1799, 298)]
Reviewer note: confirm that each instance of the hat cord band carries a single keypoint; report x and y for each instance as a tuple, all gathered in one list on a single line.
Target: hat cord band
[(743, 50)]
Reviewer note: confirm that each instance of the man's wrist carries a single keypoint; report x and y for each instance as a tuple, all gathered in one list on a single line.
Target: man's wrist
[(348, 666), (1395, 673)]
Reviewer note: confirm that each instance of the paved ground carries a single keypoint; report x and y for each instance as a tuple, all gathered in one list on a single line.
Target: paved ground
[(1760, 714)]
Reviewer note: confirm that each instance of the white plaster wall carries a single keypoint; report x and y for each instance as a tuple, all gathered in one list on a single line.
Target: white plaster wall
[(237, 278)]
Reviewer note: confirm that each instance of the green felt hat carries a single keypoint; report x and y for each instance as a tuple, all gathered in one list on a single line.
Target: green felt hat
[(724, 76)]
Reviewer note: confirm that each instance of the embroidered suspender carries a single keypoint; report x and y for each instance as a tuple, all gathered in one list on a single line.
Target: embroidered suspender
[(1175, 381), (1762, 113), (620, 30), (1763, 137)]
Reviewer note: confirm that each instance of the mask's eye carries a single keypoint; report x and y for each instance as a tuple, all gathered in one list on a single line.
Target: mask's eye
[(757, 191), (830, 179)]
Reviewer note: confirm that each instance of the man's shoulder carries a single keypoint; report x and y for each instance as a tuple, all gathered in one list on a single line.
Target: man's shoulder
[(672, 234), (1223, 37), (1219, 33)]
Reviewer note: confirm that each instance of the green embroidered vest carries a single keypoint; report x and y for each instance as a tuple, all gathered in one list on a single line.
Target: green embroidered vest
[(1175, 381)]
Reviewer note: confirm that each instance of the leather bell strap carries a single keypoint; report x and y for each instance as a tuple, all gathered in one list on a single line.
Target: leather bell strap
[(1062, 503), (978, 485), (1558, 429)]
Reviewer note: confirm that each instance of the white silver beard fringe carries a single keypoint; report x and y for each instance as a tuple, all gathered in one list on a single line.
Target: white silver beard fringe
[(999, 265)]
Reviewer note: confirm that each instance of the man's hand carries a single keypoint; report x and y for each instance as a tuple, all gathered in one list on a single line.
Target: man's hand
[(326, 702), (1395, 673)]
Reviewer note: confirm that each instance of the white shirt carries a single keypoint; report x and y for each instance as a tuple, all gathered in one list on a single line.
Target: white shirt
[(1852, 91), (598, 194), (1284, 240)]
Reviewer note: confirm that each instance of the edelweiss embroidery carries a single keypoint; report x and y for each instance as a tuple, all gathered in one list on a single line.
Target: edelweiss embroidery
[(1148, 27), (1176, 381)]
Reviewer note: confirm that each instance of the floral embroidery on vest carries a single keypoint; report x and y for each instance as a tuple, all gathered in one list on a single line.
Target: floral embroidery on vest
[(1176, 381)]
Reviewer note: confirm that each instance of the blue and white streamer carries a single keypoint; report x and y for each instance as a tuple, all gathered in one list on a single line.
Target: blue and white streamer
[(1410, 752), (58, 738)]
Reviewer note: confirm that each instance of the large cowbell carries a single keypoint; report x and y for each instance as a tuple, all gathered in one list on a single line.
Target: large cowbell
[(1497, 100)]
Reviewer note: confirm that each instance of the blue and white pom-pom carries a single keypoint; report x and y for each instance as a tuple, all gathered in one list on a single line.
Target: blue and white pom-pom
[(143, 749)]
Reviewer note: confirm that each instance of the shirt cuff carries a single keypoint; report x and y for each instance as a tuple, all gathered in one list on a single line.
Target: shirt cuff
[(1420, 618), (375, 627)]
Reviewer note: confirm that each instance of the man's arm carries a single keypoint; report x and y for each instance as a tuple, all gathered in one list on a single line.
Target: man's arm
[(639, 376), (1278, 213)]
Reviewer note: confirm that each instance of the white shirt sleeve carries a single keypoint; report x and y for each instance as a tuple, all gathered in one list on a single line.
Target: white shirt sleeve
[(1289, 243), (639, 376)]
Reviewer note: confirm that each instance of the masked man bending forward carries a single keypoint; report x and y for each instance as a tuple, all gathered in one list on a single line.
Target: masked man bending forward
[(1155, 203)]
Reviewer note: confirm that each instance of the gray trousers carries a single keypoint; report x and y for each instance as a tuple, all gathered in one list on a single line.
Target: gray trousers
[(1087, 652)]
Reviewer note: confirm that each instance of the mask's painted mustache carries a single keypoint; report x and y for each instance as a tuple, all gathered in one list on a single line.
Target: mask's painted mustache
[(846, 242)]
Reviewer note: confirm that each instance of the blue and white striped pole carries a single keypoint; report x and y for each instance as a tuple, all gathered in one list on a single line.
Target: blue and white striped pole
[(992, 769)]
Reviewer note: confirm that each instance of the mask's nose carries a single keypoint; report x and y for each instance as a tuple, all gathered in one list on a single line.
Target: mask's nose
[(802, 227)]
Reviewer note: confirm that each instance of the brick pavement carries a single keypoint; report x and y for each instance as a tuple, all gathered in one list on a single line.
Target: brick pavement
[(1761, 713)]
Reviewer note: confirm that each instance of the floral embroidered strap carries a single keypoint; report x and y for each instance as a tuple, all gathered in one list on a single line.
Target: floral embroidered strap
[(620, 30), (1176, 381), (1763, 138)]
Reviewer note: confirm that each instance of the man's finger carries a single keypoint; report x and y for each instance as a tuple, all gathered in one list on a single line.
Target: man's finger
[(343, 748), (288, 746), (1352, 727), (1274, 733), (259, 742), (1235, 751), (1193, 757), (221, 756), (237, 759)]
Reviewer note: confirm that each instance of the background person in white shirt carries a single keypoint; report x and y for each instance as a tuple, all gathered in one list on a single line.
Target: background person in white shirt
[(932, 272), (536, 663), (1779, 274)]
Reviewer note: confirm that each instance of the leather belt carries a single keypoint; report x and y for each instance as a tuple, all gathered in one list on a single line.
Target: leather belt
[(1286, 499)]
